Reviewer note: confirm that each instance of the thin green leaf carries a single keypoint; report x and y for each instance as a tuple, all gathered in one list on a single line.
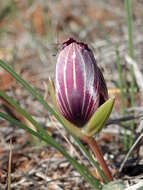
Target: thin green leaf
[(131, 52), (25, 114), (12, 102), (123, 93), (129, 22), (79, 167)]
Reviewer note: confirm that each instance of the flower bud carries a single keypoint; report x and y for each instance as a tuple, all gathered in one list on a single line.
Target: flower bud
[(79, 84)]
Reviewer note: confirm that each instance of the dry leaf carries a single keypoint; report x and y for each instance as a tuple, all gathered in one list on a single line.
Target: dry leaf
[(6, 81), (38, 20)]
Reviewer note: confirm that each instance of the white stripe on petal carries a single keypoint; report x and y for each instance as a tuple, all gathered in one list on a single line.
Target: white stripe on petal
[(65, 110), (58, 88), (94, 105), (87, 108), (65, 83), (84, 77), (74, 71)]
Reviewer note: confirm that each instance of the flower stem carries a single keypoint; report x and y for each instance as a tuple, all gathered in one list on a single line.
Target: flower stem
[(97, 152)]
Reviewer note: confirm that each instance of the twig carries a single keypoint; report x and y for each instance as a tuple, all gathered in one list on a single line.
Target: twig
[(9, 167), (121, 119), (49, 180), (129, 152), (138, 74)]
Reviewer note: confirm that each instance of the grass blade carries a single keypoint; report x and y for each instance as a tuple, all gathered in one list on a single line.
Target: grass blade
[(79, 167), (41, 131), (12, 102), (129, 22), (131, 53), (123, 93)]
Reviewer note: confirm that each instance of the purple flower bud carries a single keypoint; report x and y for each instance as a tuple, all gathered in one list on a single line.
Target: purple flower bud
[(79, 84)]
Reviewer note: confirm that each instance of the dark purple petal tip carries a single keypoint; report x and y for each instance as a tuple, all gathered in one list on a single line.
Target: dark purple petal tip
[(71, 40), (79, 84)]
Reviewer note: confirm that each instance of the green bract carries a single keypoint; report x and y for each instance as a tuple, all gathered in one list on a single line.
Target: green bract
[(99, 118)]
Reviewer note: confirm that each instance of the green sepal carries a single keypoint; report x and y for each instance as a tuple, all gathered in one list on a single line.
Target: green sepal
[(99, 118)]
